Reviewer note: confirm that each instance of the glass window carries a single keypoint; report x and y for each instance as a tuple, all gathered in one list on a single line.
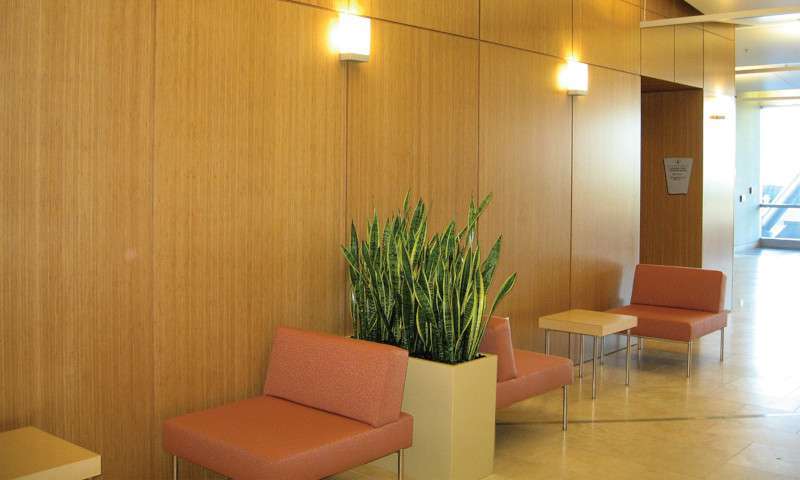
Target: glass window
[(780, 171)]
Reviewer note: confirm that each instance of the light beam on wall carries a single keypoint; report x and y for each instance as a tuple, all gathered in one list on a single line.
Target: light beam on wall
[(351, 37), (574, 77), (719, 106)]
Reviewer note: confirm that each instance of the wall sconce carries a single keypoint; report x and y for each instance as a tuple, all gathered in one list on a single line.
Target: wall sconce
[(718, 107), (574, 77), (352, 37)]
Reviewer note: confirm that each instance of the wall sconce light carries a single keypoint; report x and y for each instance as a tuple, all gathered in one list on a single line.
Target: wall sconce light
[(574, 77), (718, 107), (352, 37)]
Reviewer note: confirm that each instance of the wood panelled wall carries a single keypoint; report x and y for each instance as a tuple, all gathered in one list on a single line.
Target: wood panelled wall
[(178, 176), (719, 150), (695, 229), (672, 126), (76, 192)]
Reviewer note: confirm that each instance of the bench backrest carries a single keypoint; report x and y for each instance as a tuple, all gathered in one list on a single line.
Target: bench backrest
[(353, 378), (679, 287), (498, 342)]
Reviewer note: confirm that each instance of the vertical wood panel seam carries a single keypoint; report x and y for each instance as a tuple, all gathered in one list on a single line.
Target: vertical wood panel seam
[(478, 110), (346, 139), (674, 54), (571, 172), (153, 360)]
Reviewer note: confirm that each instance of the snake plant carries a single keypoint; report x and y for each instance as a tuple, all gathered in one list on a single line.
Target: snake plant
[(427, 295)]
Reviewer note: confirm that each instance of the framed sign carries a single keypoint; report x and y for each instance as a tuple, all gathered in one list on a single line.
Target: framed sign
[(678, 171)]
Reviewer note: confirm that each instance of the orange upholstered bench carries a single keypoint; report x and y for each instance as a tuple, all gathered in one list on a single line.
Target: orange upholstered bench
[(522, 374), (330, 404), (679, 304)]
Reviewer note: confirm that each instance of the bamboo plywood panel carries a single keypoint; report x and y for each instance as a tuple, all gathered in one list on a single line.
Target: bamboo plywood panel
[(724, 30), (525, 163), (689, 55), (658, 53), (76, 336), (539, 25), (338, 5), (671, 225), (20, 296), (719, 60), (665, 8), (249, 193), (607, 34), (451, 16), (605, 190), (413, 124)]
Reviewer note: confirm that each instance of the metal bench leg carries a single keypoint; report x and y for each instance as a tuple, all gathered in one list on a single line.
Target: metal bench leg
[(722, 344), (564, 412), (174, 467), (602, 351), (595, 351), (547, 342), (399, 465), (569, 346), (628, 359), (689, 360)]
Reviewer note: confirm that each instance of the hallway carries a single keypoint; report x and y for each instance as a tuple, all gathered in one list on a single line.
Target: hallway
[(734, 420)]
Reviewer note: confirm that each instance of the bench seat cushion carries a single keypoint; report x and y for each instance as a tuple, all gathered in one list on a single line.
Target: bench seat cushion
[(268, 437), (537, 373), (673, 323)]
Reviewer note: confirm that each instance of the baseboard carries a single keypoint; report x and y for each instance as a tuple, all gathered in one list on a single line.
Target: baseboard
[(779, 243), (746, 246)]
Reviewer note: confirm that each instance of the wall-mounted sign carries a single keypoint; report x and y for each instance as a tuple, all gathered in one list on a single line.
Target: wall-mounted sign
[(678, 171)]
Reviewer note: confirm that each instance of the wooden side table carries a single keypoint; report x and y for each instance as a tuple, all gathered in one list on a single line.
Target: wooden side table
[(31, 454), (595, 324)]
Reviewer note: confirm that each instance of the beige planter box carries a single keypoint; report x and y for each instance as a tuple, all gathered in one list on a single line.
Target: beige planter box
[(454, 411)]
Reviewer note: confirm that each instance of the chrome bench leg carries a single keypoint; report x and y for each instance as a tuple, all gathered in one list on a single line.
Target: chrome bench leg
[(602, 351), (547, 342), (399, 465), (595, 351), (722, 344), (689, 359), (564, 411), (174, 467), (569, 346), (628, 359)]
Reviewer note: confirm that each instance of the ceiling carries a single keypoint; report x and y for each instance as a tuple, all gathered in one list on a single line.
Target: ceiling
[(723, 6), (766, 44)]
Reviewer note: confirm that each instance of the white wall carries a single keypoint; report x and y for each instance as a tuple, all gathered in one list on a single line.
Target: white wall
[(746, 214)]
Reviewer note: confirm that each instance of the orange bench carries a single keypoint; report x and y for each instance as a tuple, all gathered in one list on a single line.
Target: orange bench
[(330, 404), (522, 374), (679, 304)]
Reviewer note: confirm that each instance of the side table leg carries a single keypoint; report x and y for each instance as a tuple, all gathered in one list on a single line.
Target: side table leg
[(602, 351), (547, 342), (569, 346), (628, 360), (595, 351)]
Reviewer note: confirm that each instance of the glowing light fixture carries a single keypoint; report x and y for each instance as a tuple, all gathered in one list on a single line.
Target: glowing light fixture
[(352, 37), (718, 107), (574, 77)]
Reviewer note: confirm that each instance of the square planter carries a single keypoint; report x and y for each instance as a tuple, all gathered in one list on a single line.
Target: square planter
[(454, 413)]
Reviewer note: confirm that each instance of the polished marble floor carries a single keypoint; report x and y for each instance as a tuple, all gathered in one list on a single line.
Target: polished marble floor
[(739, 419)]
